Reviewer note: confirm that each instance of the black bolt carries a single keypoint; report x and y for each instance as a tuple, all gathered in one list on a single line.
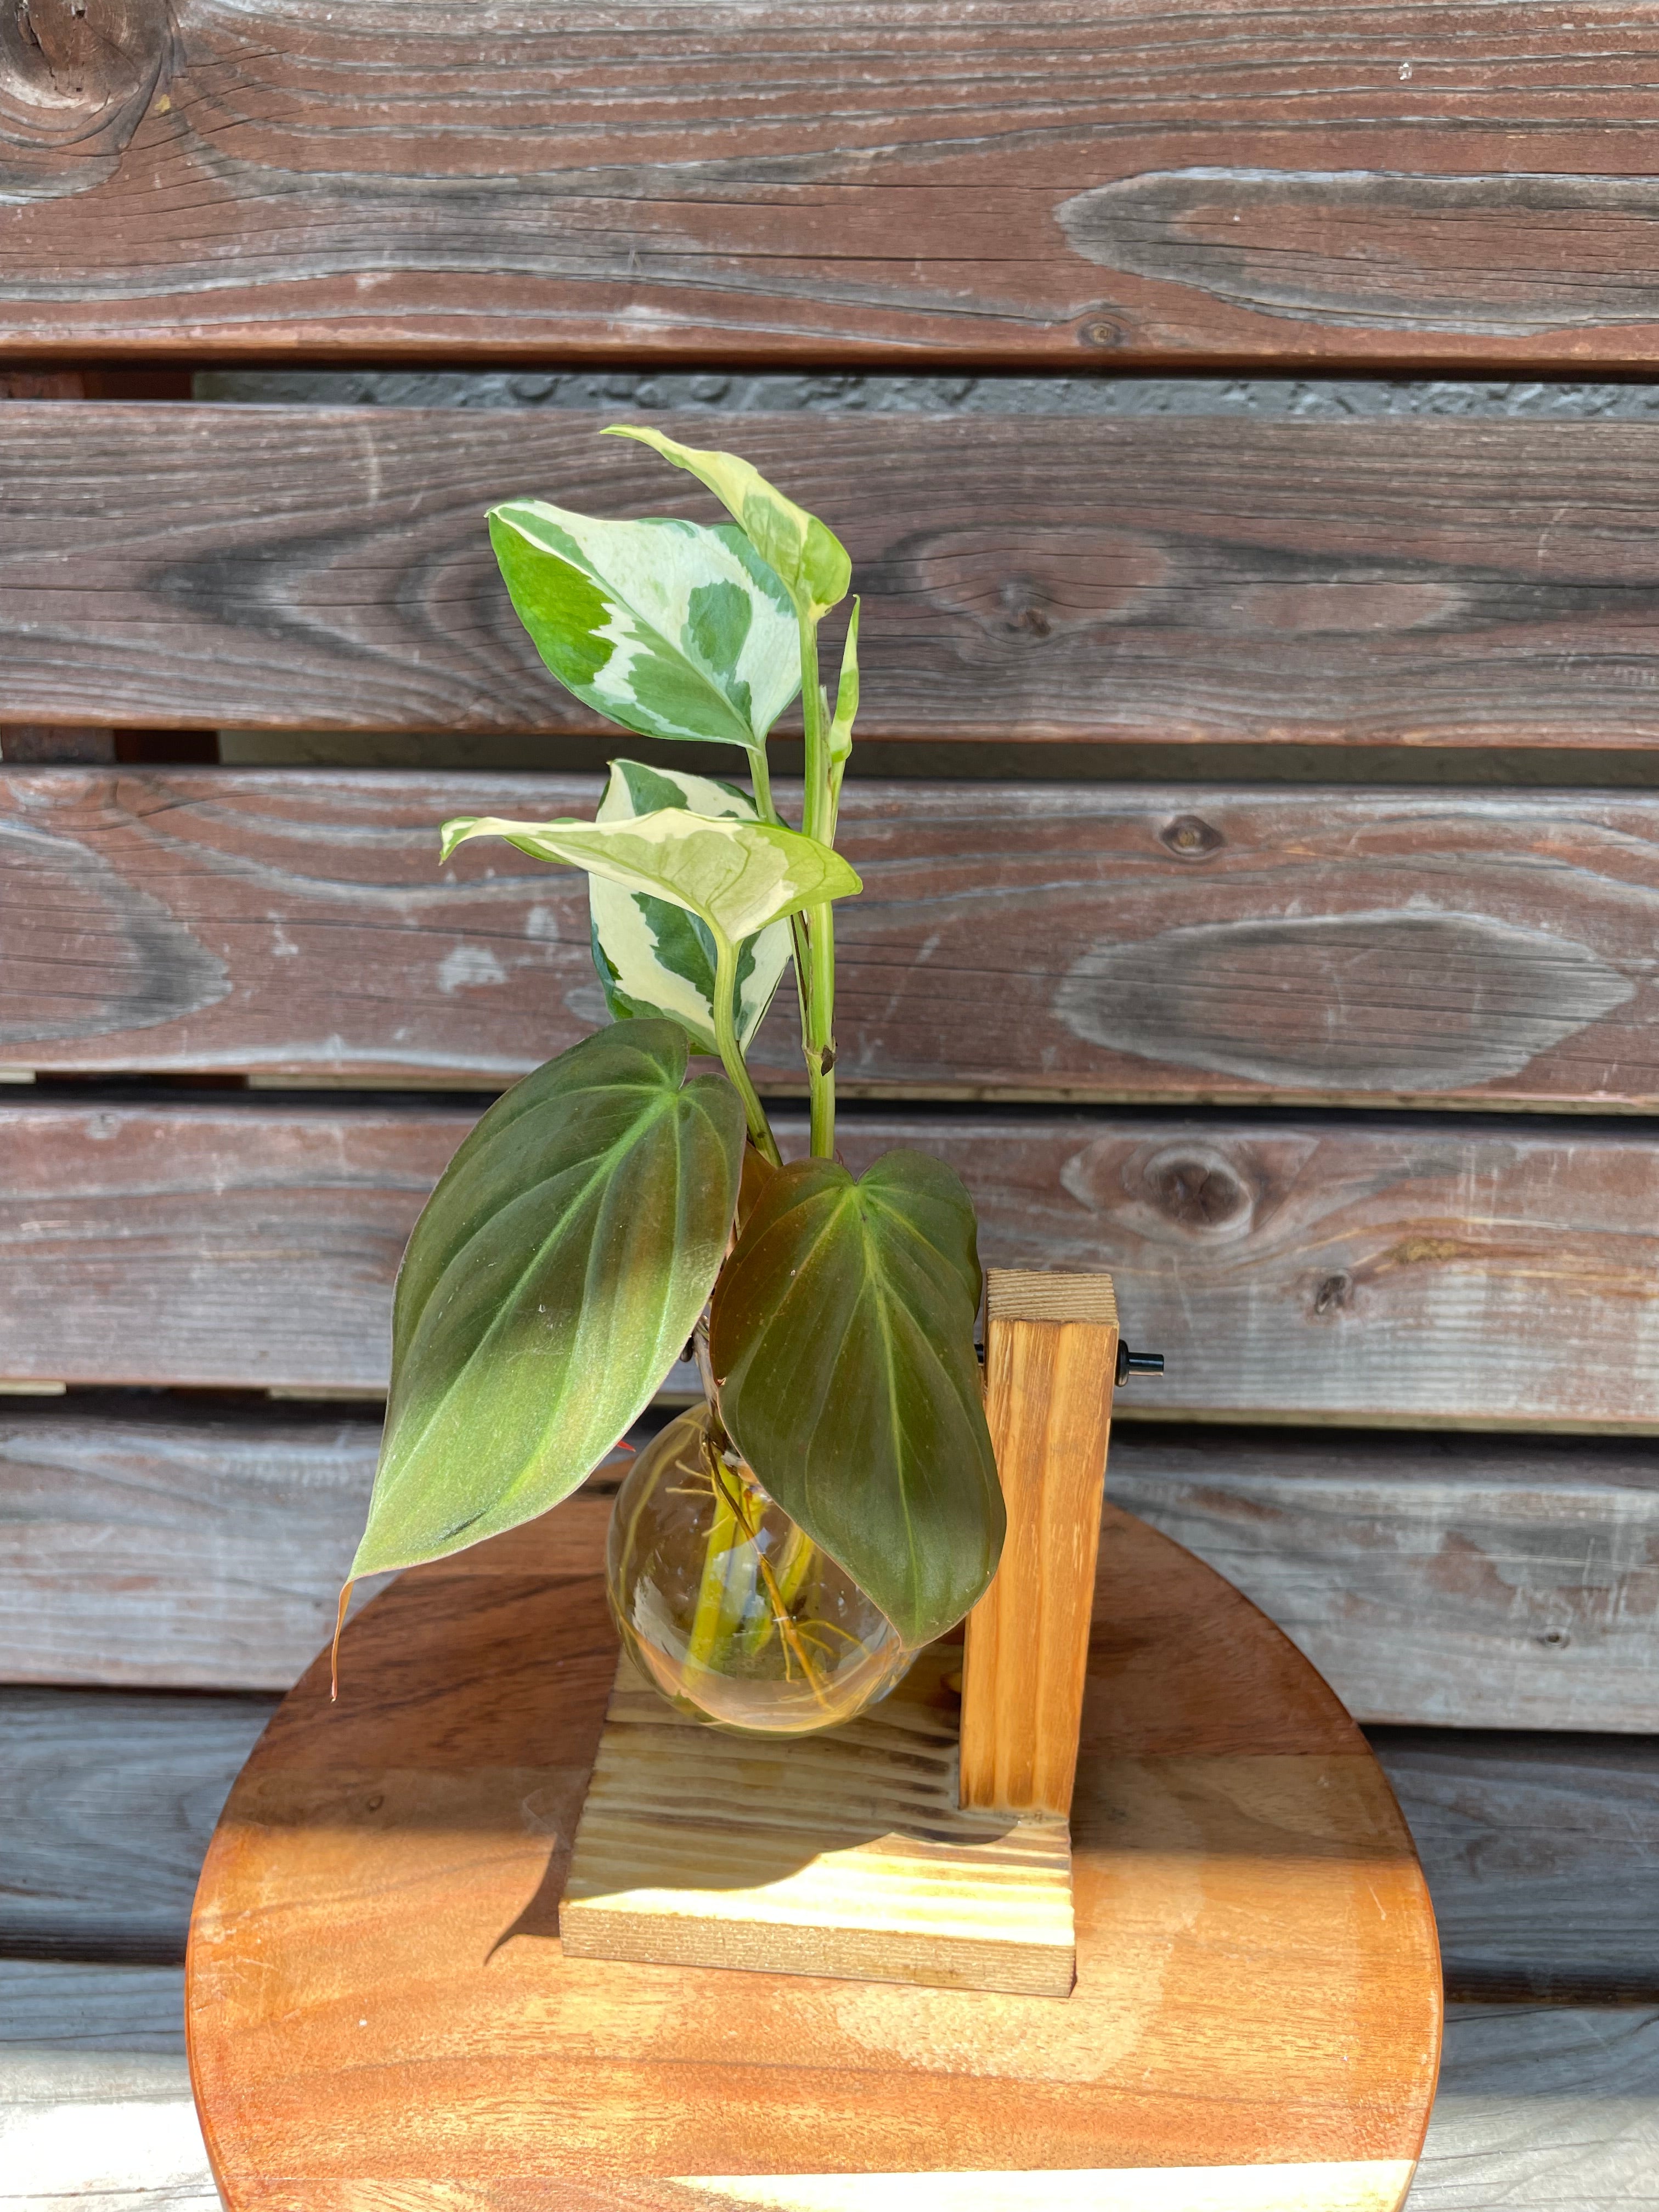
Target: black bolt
[(1138, 1363)]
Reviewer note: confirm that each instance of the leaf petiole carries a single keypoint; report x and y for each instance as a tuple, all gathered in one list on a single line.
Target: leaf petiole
[(725, 1036)]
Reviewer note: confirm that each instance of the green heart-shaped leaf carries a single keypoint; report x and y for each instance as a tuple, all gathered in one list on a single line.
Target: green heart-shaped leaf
[(671, 630), (842, 1341), (558, 1268), (810, 560), (737, 876), (653, 956)]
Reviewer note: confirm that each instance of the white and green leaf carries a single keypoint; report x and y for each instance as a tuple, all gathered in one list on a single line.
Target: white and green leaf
[(671, 629), (815, 567), (739, 877), (840, 744), (654, 957)]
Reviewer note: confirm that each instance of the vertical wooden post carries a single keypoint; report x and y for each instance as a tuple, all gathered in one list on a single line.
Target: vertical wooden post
[(1050, 1369)]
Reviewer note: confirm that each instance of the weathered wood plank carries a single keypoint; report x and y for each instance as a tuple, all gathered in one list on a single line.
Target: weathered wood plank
[(1443, 582), (1135, 943), (141, 1549), (1544, 2109), (1541, 1852), (784, 181), (1452, 1582), (109, 1802), (95, 2107), (200, 1554), (1372, 1271), (1542, 1856)]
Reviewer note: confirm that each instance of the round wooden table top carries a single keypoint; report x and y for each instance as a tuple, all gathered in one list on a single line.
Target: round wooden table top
[(380, 2015)]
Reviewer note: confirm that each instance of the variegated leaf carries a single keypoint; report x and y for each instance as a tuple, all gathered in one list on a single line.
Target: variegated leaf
[(653, 957), (847, 707), (669, 629), (813, 563), (738, 876)]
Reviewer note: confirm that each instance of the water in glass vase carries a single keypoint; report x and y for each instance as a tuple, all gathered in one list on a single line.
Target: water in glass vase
[(727, 1606)]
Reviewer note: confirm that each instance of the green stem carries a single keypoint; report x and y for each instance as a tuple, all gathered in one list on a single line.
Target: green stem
[(818, 980), (761, 776), (725, 1036)]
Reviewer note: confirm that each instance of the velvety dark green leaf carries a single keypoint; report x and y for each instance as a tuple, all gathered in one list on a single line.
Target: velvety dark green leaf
[(842, 1340), (558, 1268)]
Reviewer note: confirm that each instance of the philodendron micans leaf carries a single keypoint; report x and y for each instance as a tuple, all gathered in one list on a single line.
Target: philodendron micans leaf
[(671, 629), (842, 1343), (558, 1268), (736, 875), (653, 956), (814, 566)]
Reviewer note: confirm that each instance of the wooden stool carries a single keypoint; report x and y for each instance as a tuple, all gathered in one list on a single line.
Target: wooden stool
[(381, 2013)]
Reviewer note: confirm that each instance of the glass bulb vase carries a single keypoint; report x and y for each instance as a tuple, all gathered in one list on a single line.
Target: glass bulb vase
[(729, 1607)]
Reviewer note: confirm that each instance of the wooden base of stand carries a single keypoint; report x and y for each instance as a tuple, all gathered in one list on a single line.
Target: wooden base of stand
[(844, 1853)]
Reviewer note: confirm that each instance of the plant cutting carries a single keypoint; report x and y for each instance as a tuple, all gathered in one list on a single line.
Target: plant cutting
[(778, 1555)]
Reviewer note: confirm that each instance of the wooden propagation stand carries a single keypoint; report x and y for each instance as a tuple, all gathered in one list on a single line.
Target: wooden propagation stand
[(926, 1842)]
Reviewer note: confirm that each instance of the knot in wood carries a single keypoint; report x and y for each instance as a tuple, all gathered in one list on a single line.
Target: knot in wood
[(75, 79), (1022, 598), (1189, 837), (1200, 1191)]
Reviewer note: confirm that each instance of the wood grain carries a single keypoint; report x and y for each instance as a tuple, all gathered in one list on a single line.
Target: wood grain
[(843, 1856), (109, 1800), (145, 1547), (1540, 2108), (376, 1854), (1455, 1582), (1542, 1851), (1050, 1365), (1069, 941), (1171, 580), (95, 2109), (1451, 1582), (1466, 184), (139, 1549), (1056, 941), (1375, 1270), (1544, 2109), (1542, 1854)]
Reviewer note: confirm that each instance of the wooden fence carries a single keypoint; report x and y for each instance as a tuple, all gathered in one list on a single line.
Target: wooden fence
[(1350, 1084)]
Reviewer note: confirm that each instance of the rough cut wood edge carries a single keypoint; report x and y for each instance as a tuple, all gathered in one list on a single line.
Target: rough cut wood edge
[(1050, 1364), (1028, 1294), (1164, 580), (860, 1866)]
